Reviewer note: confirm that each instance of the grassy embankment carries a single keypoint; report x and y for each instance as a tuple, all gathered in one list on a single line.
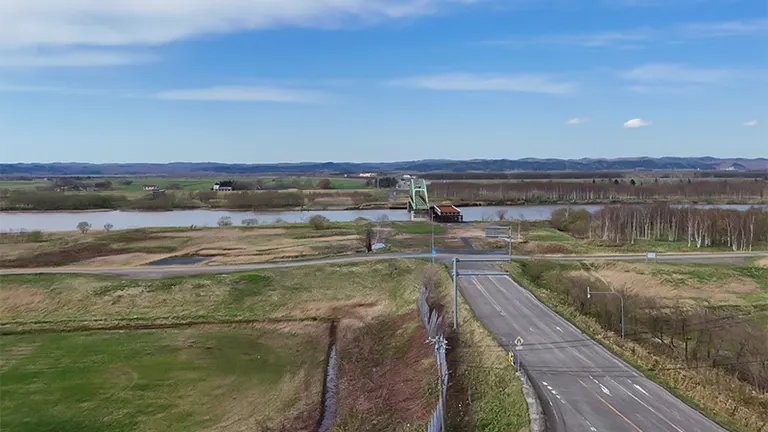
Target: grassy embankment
[(665, 294), (229, 352)]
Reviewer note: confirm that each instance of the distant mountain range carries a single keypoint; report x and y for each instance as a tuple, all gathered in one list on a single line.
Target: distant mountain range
[(419, 166)]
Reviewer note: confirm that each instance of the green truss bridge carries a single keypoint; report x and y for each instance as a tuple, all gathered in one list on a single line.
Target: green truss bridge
[(418, 199)]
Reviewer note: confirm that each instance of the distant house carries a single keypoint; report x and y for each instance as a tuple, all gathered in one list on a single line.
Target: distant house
[(224, 186), (367, 175), (149, 187)]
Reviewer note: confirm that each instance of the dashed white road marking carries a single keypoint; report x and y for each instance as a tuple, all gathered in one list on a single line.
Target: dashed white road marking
[(561, 330), (605, 390), (641, 389)]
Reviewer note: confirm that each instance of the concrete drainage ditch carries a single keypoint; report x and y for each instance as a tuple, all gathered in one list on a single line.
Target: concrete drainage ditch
[(330, 383)]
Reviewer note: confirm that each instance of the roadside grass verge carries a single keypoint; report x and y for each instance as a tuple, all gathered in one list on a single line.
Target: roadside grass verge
[(203, 378), (733, 404)]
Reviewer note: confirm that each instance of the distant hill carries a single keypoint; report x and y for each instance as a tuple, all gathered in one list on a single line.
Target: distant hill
[(420, 166)]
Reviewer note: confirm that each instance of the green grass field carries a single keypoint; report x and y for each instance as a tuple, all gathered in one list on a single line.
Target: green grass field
[(23, 184), (158, 380)]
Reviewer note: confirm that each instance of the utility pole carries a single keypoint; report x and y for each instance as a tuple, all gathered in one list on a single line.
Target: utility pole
[(589, 296)]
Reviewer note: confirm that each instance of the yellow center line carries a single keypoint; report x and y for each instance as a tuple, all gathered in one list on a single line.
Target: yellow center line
[(612, 408)]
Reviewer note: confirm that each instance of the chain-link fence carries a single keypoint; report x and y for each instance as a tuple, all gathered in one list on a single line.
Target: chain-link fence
[(432, 320)]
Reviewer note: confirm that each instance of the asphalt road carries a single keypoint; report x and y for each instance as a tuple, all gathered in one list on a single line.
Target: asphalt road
[(159, 272), (581, 386)]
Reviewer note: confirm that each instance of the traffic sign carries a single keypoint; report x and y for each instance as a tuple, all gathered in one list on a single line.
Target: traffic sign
[(511, 357), (519, 341), (434, 251)]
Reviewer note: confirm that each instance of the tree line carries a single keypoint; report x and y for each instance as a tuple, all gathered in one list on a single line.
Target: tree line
[(698, 226), (600, 191)]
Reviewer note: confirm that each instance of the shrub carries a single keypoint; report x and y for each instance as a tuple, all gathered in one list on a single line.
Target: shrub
[(224, 221), (108, 227), (250, 222), (319, 222)]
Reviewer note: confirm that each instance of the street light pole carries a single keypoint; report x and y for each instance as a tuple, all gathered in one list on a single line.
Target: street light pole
[(621, 298), (455, 295), (432, 222)]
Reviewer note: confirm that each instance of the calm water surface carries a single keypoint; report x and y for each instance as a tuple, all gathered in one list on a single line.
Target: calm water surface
[(48, 221)]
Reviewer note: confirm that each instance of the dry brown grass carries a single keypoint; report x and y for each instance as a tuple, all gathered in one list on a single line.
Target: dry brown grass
[(638, 279), (762, 262), (227, 233), (384, 367), (132, 259), (21, 300)]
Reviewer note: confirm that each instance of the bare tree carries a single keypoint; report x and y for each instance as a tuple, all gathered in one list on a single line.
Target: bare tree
[(501, 214), (108, 227), (324, 184)]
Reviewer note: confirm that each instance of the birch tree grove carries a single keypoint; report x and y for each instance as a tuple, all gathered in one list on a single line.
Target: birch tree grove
[(699, 227), (599, 192)]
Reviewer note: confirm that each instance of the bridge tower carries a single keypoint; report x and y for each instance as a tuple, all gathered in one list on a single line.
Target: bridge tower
[(418, 199)]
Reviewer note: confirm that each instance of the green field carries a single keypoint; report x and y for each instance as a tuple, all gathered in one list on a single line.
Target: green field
[(196, 184), (158, 380)]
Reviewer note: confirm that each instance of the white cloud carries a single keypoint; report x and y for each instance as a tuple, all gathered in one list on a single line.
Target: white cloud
[(751, 123), (244, 94), (70, 58), (575, 121), (678, 73), (32, 23), (527, 83), (636, 123)]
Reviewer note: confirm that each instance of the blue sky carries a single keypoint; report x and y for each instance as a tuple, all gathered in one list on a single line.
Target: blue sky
[(257, 81)]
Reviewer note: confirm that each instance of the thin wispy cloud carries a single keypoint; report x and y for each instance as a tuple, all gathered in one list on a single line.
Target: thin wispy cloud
[(575, 121), (33, 23), (244, 94), (727, 28), (636, 123), (643, 36), (665, 89), (751, 123), (68, 58), (524, 83), (678, 73)]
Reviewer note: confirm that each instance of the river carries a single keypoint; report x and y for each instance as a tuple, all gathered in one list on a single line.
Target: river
[(67, 221)]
